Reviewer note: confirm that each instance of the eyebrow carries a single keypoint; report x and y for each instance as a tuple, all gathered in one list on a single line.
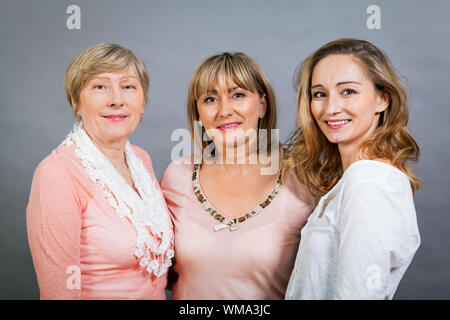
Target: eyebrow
[(338, 84), (214, 91)]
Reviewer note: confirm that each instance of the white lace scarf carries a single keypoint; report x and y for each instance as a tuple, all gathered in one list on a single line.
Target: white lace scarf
[(148, 212)]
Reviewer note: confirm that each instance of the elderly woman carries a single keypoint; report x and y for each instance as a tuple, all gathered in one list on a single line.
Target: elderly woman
[(98, 226), (237, 227)]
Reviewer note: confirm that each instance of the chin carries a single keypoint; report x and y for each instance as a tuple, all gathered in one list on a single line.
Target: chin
[(119, 135), (335, 139)]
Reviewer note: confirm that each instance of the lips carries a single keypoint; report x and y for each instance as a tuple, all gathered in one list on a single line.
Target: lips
[(229, 125), (116, 117), (338, 123)]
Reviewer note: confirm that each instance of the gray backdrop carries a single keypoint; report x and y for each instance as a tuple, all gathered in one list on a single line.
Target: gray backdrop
[(172, 38)]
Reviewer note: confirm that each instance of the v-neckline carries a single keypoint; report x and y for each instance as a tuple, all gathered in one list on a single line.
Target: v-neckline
[(228, 222)]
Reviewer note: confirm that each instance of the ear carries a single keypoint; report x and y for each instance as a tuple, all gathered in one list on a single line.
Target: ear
[(74, 106), (383, 101), (263, 106)]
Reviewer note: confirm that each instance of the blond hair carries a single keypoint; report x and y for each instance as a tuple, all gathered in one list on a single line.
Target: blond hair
[(99, 58), (244, 72), (316, 161)]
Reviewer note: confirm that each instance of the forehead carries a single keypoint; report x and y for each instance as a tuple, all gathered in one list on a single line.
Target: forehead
[(339, 68), (128, 72)]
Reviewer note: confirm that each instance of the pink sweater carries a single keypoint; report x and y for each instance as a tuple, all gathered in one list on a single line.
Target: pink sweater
[(252, 262), (73, 230)]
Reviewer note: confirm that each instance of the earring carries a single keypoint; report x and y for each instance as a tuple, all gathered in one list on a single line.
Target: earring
[(79, 119), (142, 118)]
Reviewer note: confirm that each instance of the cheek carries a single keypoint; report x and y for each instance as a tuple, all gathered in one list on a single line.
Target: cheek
[(316, 111), (206, 116), (365, 110), (250, 111), (136, 101), (89, 104)]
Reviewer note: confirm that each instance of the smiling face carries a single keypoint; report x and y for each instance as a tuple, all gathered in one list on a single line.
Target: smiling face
[(345, 102), (230, 111), (111, 105)]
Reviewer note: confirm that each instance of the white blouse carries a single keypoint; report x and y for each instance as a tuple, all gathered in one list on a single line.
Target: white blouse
[(360, 239)]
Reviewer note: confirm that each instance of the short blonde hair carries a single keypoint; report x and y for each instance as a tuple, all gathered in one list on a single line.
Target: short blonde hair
[(99, 58), (242, 70), (315, 160)]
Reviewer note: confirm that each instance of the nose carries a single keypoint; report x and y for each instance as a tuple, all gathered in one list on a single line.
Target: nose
[(334, 104), (115, 97), (225, 108)]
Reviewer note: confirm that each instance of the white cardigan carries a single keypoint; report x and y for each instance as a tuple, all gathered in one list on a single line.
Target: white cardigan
[(360, 239)]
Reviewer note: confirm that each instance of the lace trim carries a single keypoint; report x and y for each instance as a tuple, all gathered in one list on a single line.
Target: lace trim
[(146, 212)]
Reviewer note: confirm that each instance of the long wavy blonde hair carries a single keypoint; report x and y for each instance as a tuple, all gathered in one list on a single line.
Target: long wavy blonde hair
[(316, 161)]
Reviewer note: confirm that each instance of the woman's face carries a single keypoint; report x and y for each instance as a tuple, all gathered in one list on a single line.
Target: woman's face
[(345, 102), (230, 113), (111, 104)]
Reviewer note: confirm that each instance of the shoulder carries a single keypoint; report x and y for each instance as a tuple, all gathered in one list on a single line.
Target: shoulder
[(62, 161), (293, 185), (179, 171), (365, 174), (59, 173), (376, 191)]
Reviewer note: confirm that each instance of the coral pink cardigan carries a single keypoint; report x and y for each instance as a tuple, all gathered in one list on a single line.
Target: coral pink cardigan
[(81, 248)]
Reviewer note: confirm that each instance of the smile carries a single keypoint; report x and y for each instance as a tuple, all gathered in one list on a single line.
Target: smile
[(228, 126), (336, 124), (116, 117)]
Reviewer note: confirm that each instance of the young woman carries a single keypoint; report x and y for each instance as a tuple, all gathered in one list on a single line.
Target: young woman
[(236, 227), (353, 150)]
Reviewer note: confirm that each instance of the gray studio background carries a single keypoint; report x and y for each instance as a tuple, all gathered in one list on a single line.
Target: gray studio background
[(172, 38)]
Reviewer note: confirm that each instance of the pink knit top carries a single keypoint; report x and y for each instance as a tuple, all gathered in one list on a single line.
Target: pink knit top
[(81, 248), (252, 262)]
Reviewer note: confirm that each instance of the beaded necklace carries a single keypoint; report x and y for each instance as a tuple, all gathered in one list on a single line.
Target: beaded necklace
[(225, 222)]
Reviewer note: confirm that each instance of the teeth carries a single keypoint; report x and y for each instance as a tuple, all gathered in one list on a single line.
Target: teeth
[(230, 125), (338, 123)]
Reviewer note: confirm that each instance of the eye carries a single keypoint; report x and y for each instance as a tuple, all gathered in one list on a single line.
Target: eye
[(99, 86), (347, 92), (130, 86), (319, 94), (239, 95), (209, 99)]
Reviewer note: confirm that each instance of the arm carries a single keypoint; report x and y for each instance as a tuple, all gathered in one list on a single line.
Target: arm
[(54, 228), (374, 239)]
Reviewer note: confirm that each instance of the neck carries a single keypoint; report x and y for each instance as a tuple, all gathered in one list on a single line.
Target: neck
[(241, 160), (351, 151), (244, 155), (349, 154), (114, 151)]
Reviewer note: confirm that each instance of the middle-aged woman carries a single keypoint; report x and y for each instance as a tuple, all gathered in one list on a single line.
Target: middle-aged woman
[(97, 223), (353, 149), (237, 228)]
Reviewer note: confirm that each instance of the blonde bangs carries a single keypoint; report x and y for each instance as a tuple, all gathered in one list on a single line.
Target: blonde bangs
[(224, 68)]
